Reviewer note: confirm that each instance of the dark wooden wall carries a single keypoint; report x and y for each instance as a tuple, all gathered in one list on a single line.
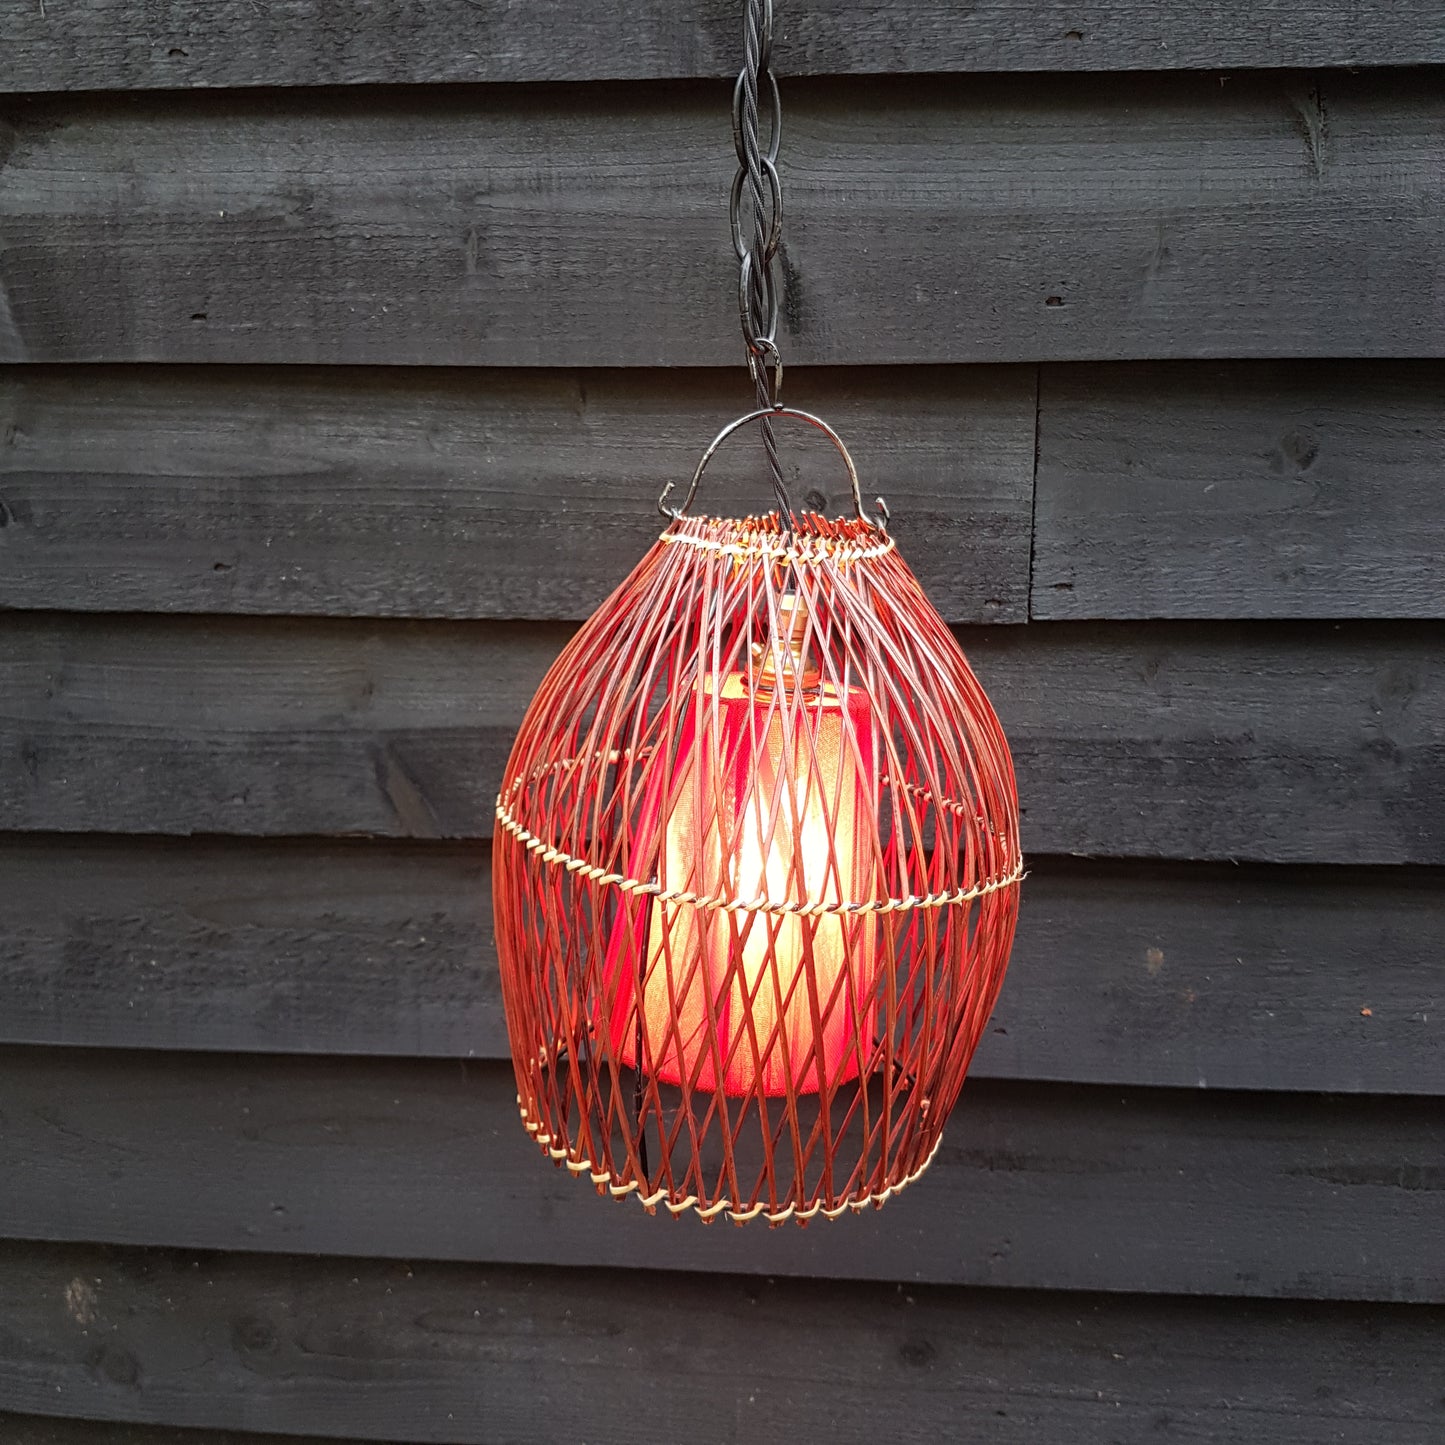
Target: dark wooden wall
[(346, 349)]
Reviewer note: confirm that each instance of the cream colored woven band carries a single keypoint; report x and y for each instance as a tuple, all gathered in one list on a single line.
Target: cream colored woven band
[(557, 858), (801, 549)]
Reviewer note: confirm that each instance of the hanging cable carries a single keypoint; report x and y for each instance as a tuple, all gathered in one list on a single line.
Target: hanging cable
[(757, 182)]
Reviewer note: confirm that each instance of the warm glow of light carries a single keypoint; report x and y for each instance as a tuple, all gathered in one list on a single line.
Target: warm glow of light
[(769, 810)]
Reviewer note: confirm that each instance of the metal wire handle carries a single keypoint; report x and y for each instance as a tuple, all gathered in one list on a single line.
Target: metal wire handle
[(766, 414)]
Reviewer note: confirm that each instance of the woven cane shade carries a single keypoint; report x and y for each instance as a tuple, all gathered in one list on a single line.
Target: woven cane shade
[(756, 877)]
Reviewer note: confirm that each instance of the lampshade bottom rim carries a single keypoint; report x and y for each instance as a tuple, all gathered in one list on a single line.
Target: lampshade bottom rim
[(606, 1182)]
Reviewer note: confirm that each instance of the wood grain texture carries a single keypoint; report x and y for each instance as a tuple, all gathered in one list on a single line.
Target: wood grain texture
[(1318, 979), (101, 44), (1235, 978), (976, 219), (1291, 744), (1297, 744), (450, 1354), (306, 947), (1240, 491), (1258, 490), (55, 1430), (472, 494), (251, 726), (1164, 1191)]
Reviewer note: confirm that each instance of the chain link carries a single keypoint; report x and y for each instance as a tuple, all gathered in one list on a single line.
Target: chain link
[(755, 212)]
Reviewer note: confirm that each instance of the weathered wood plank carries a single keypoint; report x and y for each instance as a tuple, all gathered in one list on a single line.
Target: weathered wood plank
[(251, 726), (928, 220), (1235, 978), (452, 1354), (324, 947), (1164, 1191), (1256, 490), (104, 45), (54, 1430), (1122, 974), (1240, 491), (1294, 744), (471, 494)]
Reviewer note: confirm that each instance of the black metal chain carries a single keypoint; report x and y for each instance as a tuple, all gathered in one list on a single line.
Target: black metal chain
[(757, 183)]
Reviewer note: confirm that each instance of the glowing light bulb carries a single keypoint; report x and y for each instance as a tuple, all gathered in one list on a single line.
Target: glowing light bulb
[(769, 803)]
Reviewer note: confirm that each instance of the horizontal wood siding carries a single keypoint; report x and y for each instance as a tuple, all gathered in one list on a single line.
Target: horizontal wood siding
[(1264, 978), (1240, 491), (54, 1430), (98, 44), (1269, 489), (417, 1352), (471, 494), (980, 219), (1165, 1191), (344, 351), (1278, 744)]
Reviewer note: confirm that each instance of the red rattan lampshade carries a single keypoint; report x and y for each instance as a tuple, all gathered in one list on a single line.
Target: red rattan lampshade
[(756, 876)]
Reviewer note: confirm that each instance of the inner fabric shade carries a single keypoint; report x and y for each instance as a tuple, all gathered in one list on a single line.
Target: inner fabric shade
[(777, 807)]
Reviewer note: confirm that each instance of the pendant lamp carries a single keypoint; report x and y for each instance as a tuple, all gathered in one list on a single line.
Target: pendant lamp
[(756, 862)]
